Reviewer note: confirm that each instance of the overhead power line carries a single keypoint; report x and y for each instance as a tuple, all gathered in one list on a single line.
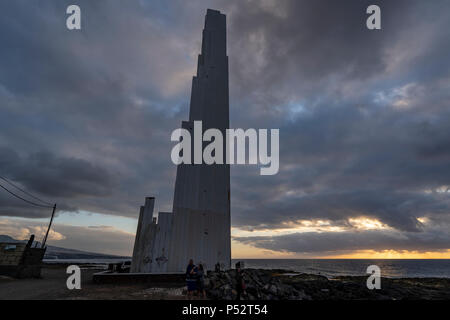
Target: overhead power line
[(27, 201), (27, 193), (48, 205)]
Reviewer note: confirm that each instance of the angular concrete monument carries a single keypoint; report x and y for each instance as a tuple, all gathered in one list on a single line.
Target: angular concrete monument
[(201, 205), (199, 227), (151, 244)]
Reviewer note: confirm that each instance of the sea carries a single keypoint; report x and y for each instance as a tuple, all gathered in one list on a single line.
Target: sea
[(390, 268)]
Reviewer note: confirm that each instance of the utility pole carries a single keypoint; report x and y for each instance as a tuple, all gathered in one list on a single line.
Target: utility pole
[(49, 226)]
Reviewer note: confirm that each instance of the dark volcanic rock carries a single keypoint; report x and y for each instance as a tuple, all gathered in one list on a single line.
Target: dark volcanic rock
[(284, 285)]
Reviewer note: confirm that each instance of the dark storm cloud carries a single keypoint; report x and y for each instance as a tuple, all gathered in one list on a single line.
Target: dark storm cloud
[(356, 165), (57, 177), (399, 210), (295, 50), (363, 115), (104, 101), (434, 237), (50, 177), (332, 242)]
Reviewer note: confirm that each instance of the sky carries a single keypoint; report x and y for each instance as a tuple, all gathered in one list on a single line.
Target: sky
[(364, 119)]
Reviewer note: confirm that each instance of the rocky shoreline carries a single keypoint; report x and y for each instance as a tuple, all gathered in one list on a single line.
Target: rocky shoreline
[(272, 284), (261, 285)]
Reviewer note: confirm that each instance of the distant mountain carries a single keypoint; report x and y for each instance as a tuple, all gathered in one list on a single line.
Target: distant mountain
[(5, 238), (64, 253)]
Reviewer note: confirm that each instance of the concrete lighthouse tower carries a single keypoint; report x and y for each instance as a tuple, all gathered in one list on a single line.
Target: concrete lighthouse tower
[(201, 205), (199, 226)]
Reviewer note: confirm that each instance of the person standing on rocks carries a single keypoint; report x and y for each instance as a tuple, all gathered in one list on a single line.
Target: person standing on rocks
[(191, 279), (201, 281), (240, 283)]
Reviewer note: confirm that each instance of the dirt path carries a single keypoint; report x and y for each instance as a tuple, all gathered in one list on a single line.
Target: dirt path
[(53, 286)]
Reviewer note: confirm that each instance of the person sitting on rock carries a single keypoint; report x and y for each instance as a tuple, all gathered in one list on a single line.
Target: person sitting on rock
[(191, 280)]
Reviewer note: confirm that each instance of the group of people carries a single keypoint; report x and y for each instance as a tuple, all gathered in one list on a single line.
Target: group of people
[(195, 280)]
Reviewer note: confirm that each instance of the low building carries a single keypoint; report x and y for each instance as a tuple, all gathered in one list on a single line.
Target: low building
[(20, 260)]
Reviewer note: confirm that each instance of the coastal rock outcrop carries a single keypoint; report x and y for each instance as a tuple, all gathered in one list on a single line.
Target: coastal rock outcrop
[(260, 285), (272, 284)]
